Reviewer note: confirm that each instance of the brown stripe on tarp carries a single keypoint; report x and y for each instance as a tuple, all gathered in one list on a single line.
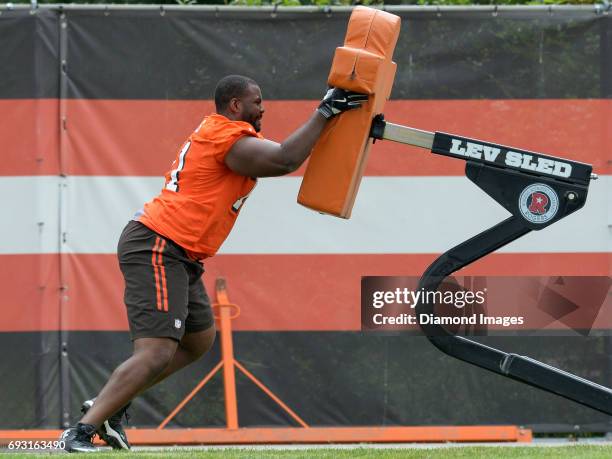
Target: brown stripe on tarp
[(327, 378), (182, 54), (274, 292), (440, 55), (29, 54)]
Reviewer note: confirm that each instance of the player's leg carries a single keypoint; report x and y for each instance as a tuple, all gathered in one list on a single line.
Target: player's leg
[(156, 296), (191, 348), (197, 341), (151, 357), (199, 325)]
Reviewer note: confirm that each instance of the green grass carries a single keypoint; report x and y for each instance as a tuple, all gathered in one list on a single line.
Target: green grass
[(471, 452)]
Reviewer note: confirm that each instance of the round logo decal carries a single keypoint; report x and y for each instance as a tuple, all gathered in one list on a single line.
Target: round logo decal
[(538, 203)]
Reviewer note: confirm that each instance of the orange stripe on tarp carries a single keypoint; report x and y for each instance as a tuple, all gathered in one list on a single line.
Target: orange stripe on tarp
[(29, 137), (274, 292), (30, 286), (578, 129), (148, 133)]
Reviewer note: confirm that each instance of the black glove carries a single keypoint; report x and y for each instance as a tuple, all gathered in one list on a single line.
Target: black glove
[(338, 100)]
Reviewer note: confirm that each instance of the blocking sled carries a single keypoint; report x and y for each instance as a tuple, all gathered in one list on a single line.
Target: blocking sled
[(538, 190), (364, 65)]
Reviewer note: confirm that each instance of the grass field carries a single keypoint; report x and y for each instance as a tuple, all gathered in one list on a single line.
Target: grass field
[(573, 452)]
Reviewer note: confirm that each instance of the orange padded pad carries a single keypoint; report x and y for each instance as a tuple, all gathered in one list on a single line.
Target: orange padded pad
[(363, 64)]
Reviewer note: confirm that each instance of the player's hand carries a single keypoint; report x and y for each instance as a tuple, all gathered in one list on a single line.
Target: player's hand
[(338, 100)]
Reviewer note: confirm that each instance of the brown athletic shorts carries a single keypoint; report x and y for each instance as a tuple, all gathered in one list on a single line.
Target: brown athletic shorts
[(164, 292)]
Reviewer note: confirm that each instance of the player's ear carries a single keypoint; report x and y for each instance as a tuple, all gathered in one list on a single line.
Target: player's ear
[(235, 105)]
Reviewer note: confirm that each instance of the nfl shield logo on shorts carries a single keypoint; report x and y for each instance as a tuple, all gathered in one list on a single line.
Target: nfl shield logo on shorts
[(538, 203), (177, 323)]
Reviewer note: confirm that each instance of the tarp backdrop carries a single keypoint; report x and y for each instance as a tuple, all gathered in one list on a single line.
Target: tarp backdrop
[(93, 106)]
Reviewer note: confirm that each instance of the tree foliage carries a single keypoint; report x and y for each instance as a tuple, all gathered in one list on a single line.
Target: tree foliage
[(325, 2)]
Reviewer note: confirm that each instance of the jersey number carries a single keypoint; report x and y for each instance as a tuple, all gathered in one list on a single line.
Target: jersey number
[(173, 185)]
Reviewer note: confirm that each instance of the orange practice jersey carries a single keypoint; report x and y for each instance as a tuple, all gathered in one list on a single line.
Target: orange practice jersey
[(202, 197)]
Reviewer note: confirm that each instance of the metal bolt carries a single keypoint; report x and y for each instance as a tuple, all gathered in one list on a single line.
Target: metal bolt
[(571, 196)]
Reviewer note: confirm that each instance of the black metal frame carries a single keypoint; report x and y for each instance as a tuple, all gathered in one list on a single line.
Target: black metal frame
[(505, 183)]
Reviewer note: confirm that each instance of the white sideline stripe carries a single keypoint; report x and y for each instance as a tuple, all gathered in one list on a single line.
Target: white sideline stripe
[(391, 215)]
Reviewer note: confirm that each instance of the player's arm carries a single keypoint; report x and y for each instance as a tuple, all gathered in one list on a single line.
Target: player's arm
[(255, 157)]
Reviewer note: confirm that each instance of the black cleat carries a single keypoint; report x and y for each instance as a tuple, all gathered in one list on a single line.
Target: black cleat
[(78, 439), (111, 431)]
